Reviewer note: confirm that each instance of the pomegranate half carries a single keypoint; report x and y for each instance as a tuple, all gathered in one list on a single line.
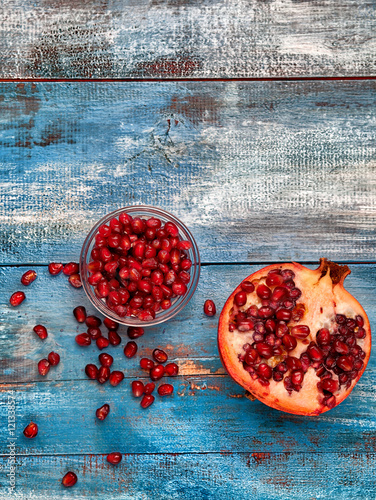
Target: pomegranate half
[(294, 337)]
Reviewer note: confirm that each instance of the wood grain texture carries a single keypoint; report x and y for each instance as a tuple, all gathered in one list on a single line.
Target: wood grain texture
[(208, 412), (260, 476), (259, 171), (186, 38)]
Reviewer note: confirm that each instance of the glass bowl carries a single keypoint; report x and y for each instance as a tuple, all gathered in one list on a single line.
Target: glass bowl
[(178, 303)]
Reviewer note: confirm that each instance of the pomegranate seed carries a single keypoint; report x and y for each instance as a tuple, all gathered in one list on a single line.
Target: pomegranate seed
[(270, 325), (300, 331), (130, 349), (102, 343), (274, 280), (281, 367), (265, 350), (305, 362), (147, 400), (104, 230), (134, 332), (110, 324), (240, 299), (153, 222), (44, 367), (94, 333), (69, 480), (70, 268), (160, 356), (102, 412), (103, 374), (28, 277), (323, 337), (93, 321), (31, 430), (55, 268), (75, 280), (179, 288), (171, 229), (146, 364), (116, 226), (165, 304), (314, 352), (252, 357), (346, 363), (91, 371), (279, 293), (41, 331), (149, 388), (289, 342), (114, 240), (95, 278), (247, 286), (359, 321), (283, 315), (137, 388), (277, 376), (358, 365), (297, 377), (293, 363), (116, 377), (282, 329), (79, 313), (287, 274), (186, 264), (17, 298), (329, 385), (265, 312), (54, 358), (171, 369), (361, 333), (114, 337), (94, 266), (341, 347), (165, 390), (83, 339), (157, 372), (114, 458), (264, 371), (105, 359), (263, 292), (274, 271)]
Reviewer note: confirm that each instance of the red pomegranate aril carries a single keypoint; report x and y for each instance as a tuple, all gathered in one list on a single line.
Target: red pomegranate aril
[(110, 324), (265, 350), (75, 280), (124, 295), (44, 367), (278, 294), (100, 242), (343, 378), (28, 277), (94, 266), (138, 225), (179, 288), (171, 370), (144, 286), (153, 222), (114, 240), (54, 358), (270, 339), (245, 325), (105, 254), (146, 315), (95, 253), (31, 430), (314, 352), (95, 278), (297, 377), (166, 304), (102, 343), (79, 313), (149, 388), (252, 357), (157, 277), (293, 363), (270, 325), (263, 292), (300, 331), (103, 374), (277, 376), (94, 332), (341, 347), (102, 412), (295, 293), (281, 367), (304, 359), (186, 264), (114, 458), (83, 339), (265, 312), (358, 364), (110, 267), (136, 301), (247, 287), (323, 337), (264, 371), (69, 480), (160, 356), (163, 256), (359, 321), (171, 229), (282, 329), (137, 388), (157, 372), (70, 268), (360, 333), (116, 377), (170, 278), (274, 280), (17, 298), (114, 298), (166, 244), (329, 385), (93, 321), (55, 268), (116, 225), (130, 349), (148, 302), (289, 342), (114, 337), (41, 331), (287, 274), (240, 299), (283, 314), (346, 363), (105, 359), (104, 230), (165, 389), (157, 293), (147, 400), (91, 371), (134, 332)]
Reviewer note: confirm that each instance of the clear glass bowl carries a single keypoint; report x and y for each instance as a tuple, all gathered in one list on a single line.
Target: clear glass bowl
[(178, 303)]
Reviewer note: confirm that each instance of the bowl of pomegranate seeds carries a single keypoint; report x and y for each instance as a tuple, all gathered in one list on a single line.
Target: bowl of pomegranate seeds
[(140, 265)]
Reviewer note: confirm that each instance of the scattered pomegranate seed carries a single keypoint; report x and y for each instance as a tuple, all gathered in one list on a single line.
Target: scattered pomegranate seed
[(94, 332), (103, 374), (147, 400), (116, 377), (171, 369), (83, 339), (44, 367), (106, 359), (110, 324), (93, 321), (69, 480), (28, 277), (79, 313), (160, 356), (17, 298), (130, 349), (70, 268), (54, 358), (165, 390), (114, 337), (91, 371), (134, 332), (137, 388), (41, 331), (114, 458), (146, 364), (157, 372), (102, 412), (209, 308), (55, 268), (31, 430), (149, 388), (102, 343), (75, 280)]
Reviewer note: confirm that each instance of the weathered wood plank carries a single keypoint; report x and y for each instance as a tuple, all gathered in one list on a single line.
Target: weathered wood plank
[(183, 39), (190, 339), (259, 171), (262, 476)]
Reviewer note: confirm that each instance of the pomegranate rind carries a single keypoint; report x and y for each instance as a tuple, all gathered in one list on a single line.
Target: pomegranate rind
[(306, 402)]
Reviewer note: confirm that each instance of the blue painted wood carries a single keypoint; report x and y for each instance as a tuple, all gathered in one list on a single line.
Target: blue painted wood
[(260, 476), (262, 171), (165, 38)]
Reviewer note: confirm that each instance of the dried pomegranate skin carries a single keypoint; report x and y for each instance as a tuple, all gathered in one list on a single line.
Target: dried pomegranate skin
[(318, 301)]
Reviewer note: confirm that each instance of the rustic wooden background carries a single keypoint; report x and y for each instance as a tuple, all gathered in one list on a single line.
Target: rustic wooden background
[(252, 121)]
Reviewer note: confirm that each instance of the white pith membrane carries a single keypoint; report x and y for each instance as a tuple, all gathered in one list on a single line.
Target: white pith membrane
[(323, 301)]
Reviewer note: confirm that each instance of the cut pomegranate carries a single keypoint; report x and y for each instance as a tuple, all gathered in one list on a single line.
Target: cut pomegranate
[(69, 480), (102, 412), (75, 280), (171, 369), (209, 308), (70, 268), (114, 458), (79, 313), (134, 332), (137, 388), (116, 377), (54, 358), (55, 268), (17, 298), (160, 356), (44, 367), (83, 339), (28, 277), (165, 389), (31, 430), (297, 341), (91, 371), (130, 349), (147, 400), (41, 331)]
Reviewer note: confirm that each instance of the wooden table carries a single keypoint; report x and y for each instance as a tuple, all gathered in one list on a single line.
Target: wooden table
[(253, 122)]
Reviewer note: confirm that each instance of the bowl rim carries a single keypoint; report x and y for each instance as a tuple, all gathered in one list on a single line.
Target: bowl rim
[(178, 305)]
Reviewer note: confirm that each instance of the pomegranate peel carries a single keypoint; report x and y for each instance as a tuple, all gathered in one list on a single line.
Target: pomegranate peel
[(329, 331)]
